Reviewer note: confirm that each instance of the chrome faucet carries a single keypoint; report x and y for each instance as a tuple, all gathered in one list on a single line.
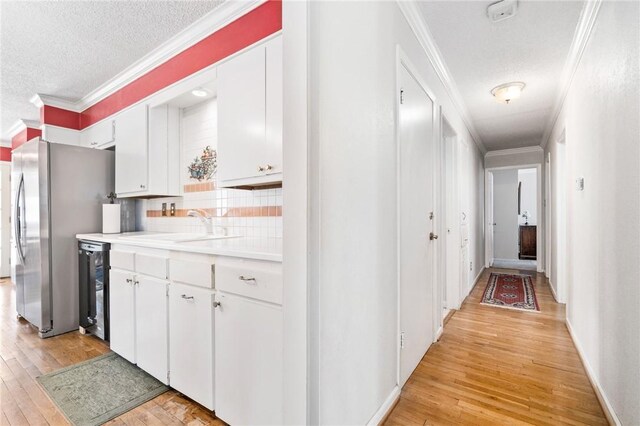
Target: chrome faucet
[(206, 220)]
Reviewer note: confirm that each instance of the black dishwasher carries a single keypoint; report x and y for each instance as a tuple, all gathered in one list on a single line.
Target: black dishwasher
[(94, 288)]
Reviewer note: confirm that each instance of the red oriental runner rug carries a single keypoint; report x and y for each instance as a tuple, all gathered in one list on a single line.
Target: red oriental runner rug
[(510, 291)]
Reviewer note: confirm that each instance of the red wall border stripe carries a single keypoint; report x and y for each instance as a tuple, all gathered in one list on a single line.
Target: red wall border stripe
[(245, 31), (25, 135), (59, 117), (5, 154)]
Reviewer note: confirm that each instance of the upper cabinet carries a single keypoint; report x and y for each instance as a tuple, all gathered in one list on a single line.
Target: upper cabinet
[(101, 135), (250, 117), (147, 151)]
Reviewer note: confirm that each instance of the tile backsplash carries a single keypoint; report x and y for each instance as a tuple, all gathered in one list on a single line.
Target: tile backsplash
[(251, 213), (256, 213)]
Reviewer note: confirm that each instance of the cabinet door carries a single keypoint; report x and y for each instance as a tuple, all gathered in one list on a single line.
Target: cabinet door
[(241, 115), (152, 348), (131, 150), (191, 342), (273, 142), (122, 314), (248, 361)]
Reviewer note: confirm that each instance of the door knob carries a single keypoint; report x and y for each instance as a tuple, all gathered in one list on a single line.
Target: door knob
[(433, 236)]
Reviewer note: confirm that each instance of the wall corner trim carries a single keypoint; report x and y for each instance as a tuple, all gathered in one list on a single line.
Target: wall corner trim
[(611, 416), (581, 37), (412, 14), (21, 125), (513, 151), (386, 408)]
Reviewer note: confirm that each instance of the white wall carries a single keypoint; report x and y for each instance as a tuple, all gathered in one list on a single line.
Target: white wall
[(600, 115), (505, 214), (5, 219), (528, 195), (353, 194)]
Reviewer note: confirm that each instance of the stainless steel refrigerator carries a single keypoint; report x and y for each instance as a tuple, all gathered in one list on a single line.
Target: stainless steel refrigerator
[(57, 192)]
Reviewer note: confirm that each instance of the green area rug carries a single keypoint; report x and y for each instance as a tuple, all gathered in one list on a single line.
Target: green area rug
[(96, 391)]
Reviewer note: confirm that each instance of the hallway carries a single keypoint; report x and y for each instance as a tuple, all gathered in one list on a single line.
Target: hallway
[(499, 366)]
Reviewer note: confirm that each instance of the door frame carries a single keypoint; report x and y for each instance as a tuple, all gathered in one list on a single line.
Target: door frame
[(540, 226), (402, 60)]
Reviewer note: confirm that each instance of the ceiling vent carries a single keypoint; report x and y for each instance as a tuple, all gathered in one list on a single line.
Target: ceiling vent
[(502, 10)]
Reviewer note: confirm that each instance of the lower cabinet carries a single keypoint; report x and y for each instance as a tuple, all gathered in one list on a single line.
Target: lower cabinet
[(138, 320), (191, 342), (248, 361), (121, 314)]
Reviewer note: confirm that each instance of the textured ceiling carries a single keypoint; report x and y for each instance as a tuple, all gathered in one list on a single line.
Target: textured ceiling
[(531, 47), (69, 48)]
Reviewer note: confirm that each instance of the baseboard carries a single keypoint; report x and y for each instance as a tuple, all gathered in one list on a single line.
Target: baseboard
[(386, 408), (604, 402), (553, 291), (477, 278), (438, 334)]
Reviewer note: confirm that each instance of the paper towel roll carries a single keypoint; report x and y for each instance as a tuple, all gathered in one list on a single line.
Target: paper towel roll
[(111, 218)]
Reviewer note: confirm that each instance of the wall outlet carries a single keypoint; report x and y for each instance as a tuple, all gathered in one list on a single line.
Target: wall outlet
[(164, 209), (173, 209)]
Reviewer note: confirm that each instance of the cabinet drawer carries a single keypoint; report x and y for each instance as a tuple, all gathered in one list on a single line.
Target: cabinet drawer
[(122, 259), (191, 272), (154, 266), (250, 278)]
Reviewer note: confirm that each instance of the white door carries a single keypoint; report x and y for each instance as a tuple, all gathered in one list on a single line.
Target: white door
[(242, 115), (490, 220), (453, 226), (191, 342), (505, 214), (122, 314), (132, 156), (152, 348), (415, 188), (248, 361)]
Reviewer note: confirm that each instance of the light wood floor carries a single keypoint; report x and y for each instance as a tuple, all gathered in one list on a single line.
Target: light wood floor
[(498, 366), (24, 356)]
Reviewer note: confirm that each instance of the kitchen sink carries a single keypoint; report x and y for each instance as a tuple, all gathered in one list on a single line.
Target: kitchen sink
[(174, 237)]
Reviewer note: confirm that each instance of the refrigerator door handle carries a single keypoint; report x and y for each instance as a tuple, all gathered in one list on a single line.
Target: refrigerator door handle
[(19, 218)]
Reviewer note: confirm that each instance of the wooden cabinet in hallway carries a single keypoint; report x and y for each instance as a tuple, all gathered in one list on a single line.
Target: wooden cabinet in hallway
[(496, 366)]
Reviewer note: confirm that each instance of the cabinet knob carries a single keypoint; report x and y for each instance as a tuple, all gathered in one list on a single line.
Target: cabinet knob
[(184, 296), (245, 279), (269, 167), (432, 236), (129, 280), (142, 186), (260, 169), (136, 282), (216, 304)]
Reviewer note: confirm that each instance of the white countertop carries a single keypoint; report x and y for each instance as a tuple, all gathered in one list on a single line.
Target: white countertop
[(245, 247)]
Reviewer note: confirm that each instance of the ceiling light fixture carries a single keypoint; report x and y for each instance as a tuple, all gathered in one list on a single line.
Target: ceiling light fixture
[(507, 92), (201, 93)]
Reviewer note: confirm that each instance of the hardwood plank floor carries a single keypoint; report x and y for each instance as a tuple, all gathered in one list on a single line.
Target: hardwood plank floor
[(498, 366), (24, 356)]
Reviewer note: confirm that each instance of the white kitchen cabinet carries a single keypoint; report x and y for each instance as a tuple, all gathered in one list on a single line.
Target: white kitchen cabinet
[(151, 325), (131, 150), (250, 117), (147, 151), (248, 361), (122, 314), (191, 342), (138, 311), (101, 135)]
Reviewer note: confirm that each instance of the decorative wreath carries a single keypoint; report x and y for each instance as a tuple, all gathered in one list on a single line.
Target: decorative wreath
[(204, 166)]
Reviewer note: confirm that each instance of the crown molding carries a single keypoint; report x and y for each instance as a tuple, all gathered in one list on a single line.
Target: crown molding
[(39, 100), (514, 151), (221, 16), (581, 37), (412, 14), (20, 125)]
